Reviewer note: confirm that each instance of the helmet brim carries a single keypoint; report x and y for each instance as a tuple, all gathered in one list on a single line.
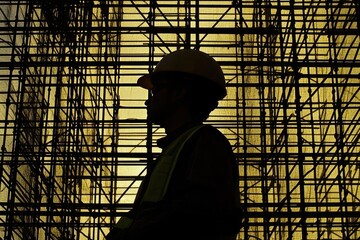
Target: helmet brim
[(145, 82)]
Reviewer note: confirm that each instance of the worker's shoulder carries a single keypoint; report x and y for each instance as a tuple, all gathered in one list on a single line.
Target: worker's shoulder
[(211, 139), (208, 132)]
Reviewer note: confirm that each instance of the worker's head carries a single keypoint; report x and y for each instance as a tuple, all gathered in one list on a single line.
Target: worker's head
[(190, 78)]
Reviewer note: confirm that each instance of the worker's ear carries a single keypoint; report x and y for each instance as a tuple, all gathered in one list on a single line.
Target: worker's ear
[(180, 94)]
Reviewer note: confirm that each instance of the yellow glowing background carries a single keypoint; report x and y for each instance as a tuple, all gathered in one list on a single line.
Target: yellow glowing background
[(73, 129)]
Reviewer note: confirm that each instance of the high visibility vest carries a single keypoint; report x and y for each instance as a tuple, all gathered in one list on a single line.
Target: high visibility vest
[(161, 175)]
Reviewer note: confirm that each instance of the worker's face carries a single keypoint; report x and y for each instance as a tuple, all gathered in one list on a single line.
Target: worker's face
[(166, 98)]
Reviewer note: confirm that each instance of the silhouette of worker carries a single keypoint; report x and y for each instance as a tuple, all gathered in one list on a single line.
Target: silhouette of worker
[(192, 191)]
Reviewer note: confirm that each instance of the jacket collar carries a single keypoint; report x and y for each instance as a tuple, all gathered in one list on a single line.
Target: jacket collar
[(165, 141)]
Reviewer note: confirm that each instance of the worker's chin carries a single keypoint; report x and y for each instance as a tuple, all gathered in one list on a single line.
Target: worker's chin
[(157, 122), (155, 119)]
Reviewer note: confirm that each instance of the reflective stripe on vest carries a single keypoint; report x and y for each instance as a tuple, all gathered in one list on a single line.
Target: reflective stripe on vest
[(162, 173)]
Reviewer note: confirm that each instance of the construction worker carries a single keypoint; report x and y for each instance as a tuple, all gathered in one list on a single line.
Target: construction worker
[(192, 191)]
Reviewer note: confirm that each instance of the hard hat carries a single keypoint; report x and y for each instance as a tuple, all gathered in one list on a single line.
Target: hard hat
[(194, 63)]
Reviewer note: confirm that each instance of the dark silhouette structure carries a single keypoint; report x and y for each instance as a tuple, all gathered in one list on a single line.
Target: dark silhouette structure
[(192, 189)]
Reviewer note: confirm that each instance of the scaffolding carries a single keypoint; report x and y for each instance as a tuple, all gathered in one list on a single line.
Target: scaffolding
[(75, 139)]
